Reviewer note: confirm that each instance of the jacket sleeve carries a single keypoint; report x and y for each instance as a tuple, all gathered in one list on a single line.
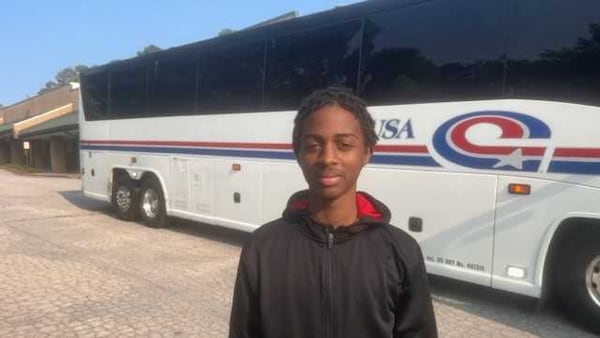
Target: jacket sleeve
[(245, 310), (414, 315)]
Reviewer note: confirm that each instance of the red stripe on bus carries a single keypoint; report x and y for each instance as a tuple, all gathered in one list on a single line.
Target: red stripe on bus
[(285, 146), (577, 152), (401, 149)]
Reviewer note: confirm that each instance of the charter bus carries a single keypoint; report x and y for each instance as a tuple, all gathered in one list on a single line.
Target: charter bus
[(488, 115)]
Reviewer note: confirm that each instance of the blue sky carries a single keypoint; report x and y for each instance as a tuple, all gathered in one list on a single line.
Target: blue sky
[(39, 38)]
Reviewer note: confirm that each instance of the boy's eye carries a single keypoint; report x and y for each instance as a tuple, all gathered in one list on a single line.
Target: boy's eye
[(345, 146), (311, 147)]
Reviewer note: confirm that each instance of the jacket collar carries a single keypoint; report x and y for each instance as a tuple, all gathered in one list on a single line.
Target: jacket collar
[(371, 213)]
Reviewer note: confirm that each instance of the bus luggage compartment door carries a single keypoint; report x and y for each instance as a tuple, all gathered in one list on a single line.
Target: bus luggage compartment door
[(238, 197), (455, 212)]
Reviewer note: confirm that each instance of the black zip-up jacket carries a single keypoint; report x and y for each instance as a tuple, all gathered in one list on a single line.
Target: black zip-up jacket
[(298, 278)]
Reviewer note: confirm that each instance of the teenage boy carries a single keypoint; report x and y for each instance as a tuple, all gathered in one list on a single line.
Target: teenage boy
[(332, 266)]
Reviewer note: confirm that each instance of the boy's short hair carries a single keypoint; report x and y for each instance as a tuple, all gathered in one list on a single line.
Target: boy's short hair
[(335, 96)]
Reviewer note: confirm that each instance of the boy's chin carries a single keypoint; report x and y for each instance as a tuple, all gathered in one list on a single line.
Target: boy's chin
[(327, 193)]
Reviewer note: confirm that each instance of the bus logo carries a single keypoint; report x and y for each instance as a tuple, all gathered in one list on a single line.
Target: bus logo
[(451, 141)]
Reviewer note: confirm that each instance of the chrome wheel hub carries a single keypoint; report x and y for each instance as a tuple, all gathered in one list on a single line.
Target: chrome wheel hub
[(123, 198), (592, 279), (150, 202)]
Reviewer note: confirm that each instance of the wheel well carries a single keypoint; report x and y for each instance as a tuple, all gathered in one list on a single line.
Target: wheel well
[(122, 172), (566, 232), (148, 175), (137, 182)]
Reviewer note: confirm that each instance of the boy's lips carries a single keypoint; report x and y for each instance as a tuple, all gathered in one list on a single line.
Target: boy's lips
[(328, 180)]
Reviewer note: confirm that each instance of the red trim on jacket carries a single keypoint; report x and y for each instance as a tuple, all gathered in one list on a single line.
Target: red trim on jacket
[(364, 207)]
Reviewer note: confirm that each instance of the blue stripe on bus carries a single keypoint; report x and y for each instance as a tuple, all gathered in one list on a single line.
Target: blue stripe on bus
[(424, 161), (570, 167), (280, 155)]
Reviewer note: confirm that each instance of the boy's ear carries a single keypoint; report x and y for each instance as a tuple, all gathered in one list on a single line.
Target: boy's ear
[(368, 156)]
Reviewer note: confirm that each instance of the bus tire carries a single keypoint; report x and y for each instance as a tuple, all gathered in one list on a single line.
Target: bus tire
[(124, 198), (152, 203), (578, 280)]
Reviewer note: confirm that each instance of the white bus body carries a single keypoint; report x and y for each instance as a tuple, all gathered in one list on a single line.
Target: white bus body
[(473, 228)]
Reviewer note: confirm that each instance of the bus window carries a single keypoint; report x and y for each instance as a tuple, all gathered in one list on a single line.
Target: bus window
[(436, 51), (128, 92), (299, 63), (555, 61), (231, 79), (94, 94), (173, 87)]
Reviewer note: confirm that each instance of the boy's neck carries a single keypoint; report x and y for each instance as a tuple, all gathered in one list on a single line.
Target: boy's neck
[(338, 212)]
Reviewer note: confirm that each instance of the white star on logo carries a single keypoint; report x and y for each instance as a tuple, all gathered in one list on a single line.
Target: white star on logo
[(515, 159)]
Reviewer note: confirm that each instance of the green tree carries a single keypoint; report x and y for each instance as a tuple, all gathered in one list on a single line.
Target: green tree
[(63, 77), (148, 50), (225, 31)]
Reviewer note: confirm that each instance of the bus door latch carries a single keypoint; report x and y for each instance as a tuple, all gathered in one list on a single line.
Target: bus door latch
[(415, 224)]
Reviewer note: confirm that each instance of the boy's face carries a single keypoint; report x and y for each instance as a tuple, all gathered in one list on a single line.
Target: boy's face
[(332, 152)]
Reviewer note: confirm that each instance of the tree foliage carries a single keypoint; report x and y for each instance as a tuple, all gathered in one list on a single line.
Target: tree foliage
[(148, 50), (63, 77), (71, 74), (225, 31)]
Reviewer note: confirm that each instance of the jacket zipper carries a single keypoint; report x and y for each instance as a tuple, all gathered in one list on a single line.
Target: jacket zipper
[(330, 238)]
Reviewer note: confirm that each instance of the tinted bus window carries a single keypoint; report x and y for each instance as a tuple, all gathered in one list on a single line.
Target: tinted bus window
[(95, 96), (298, 64), (437, 51), (128, 92), (555, 62), (231, 79), (173, 87)]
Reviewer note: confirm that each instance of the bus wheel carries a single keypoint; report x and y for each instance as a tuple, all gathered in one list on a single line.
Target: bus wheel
[(152, 204), (124, 198), (578, 280)]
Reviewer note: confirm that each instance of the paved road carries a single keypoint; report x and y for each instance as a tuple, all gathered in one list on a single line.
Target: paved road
[(70, 269)]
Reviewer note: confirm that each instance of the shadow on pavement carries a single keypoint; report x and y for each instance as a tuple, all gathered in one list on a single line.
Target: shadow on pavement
[(77, 198), (212, 232), (208, 231), (515, 311)]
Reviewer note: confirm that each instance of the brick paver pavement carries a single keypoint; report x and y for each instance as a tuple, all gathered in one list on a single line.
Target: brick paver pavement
[(68, 268)]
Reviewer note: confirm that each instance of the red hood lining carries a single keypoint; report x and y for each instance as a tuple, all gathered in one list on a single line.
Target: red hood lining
[(364, 207)]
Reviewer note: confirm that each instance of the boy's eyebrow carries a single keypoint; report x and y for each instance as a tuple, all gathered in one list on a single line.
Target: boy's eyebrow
[(341, 135), (346, 135)]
